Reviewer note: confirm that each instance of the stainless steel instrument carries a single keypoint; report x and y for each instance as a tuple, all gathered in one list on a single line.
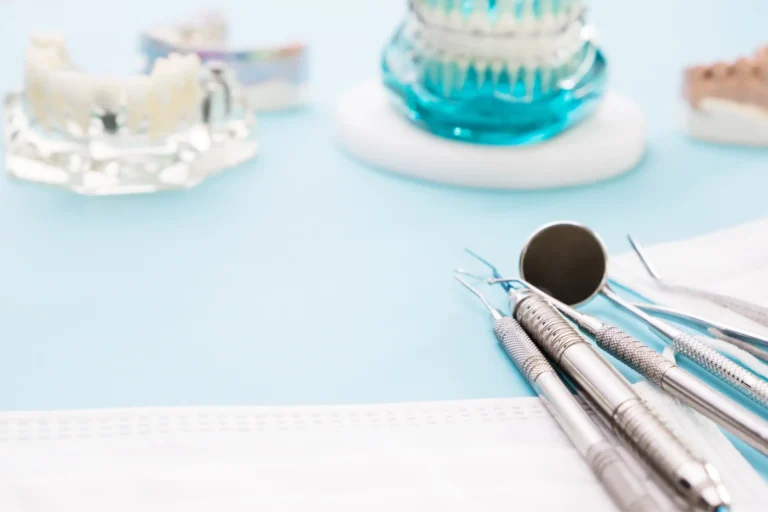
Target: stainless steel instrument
[(625, 488), (679, 383), (568, 261), (754, 312), (749, 342), (676, 381), (693, 481)]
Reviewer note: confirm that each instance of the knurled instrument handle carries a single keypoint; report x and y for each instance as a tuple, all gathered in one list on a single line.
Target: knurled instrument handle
[(717, 364), (632, 420), (638, 356), (617, 478), (520, 349)]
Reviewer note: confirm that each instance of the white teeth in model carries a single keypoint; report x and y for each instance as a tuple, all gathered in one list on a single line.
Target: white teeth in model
[(60, 97), (531, 43), (508, 16)]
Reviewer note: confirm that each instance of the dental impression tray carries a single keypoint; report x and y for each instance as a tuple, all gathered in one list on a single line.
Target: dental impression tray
[(170, 129), (495, 71), (728, 102)]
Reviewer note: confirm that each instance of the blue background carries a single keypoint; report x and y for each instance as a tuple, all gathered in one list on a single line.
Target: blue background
[(304, 277)]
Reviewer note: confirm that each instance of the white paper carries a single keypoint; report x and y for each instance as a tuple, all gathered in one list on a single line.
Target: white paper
[(733, 261), (455, 456)]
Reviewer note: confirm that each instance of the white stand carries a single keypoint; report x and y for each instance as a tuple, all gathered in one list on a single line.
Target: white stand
[(609, 143), (728, 122)]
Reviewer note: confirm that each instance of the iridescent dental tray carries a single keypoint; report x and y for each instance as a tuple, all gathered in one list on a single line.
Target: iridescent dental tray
[(495, 71), (99, 135), (273, 77)]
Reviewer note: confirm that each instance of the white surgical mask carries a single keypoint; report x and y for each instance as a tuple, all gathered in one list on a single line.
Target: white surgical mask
[(483, 455)]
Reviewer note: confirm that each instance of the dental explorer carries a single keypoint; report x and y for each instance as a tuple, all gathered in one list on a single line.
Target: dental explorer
[(754, 312), (691, 480), (569, 262), (676, 381), (623, 486), (750, 342)]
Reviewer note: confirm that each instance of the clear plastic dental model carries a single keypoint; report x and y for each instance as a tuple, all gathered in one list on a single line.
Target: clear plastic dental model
[(95, 135), (495, 71)]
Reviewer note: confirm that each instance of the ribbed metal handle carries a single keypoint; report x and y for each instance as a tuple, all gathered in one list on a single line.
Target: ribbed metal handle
[(638, 356), (642, 430), (626, 489), (743, 380), (551, 328), (634, 422), (520, 349)]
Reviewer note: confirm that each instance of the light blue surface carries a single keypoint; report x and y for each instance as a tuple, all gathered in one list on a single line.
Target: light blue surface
[(304, 277)]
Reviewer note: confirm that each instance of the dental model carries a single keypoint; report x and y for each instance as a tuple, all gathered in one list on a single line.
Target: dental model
[(495, 71), (104, 135), (273, 78), (728, 102)]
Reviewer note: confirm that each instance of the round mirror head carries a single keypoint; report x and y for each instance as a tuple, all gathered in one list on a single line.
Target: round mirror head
[(566, 260)]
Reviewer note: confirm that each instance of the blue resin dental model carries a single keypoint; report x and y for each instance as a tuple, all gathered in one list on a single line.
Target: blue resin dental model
[(495, 71)]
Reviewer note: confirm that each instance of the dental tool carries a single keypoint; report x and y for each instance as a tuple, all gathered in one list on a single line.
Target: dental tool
[(694, 481), (747, 309), (624, 487), (569, 262), (676, 381), (749, 342)]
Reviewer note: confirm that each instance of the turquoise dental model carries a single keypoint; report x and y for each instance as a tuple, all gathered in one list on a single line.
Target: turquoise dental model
[(495, 71)]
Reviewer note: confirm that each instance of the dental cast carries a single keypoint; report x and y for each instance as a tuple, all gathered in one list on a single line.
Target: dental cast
[(61, 97), (530, 44)]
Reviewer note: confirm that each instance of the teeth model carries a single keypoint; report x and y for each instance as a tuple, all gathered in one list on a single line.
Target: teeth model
[(62, 98), (728, 102), (273, 77), (495, 71), (171, 128)]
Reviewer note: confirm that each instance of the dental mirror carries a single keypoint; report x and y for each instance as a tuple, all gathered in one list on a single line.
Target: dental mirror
[(566, 260), (570, 263)]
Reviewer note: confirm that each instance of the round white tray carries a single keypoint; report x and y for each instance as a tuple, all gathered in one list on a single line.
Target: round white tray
[(609, 143)]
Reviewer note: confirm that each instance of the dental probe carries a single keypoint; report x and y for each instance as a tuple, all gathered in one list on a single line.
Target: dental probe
[(625, 488), (753, 343)]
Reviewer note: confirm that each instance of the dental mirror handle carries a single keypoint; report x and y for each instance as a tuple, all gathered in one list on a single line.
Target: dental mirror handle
[(715, 363), (624, 487)]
